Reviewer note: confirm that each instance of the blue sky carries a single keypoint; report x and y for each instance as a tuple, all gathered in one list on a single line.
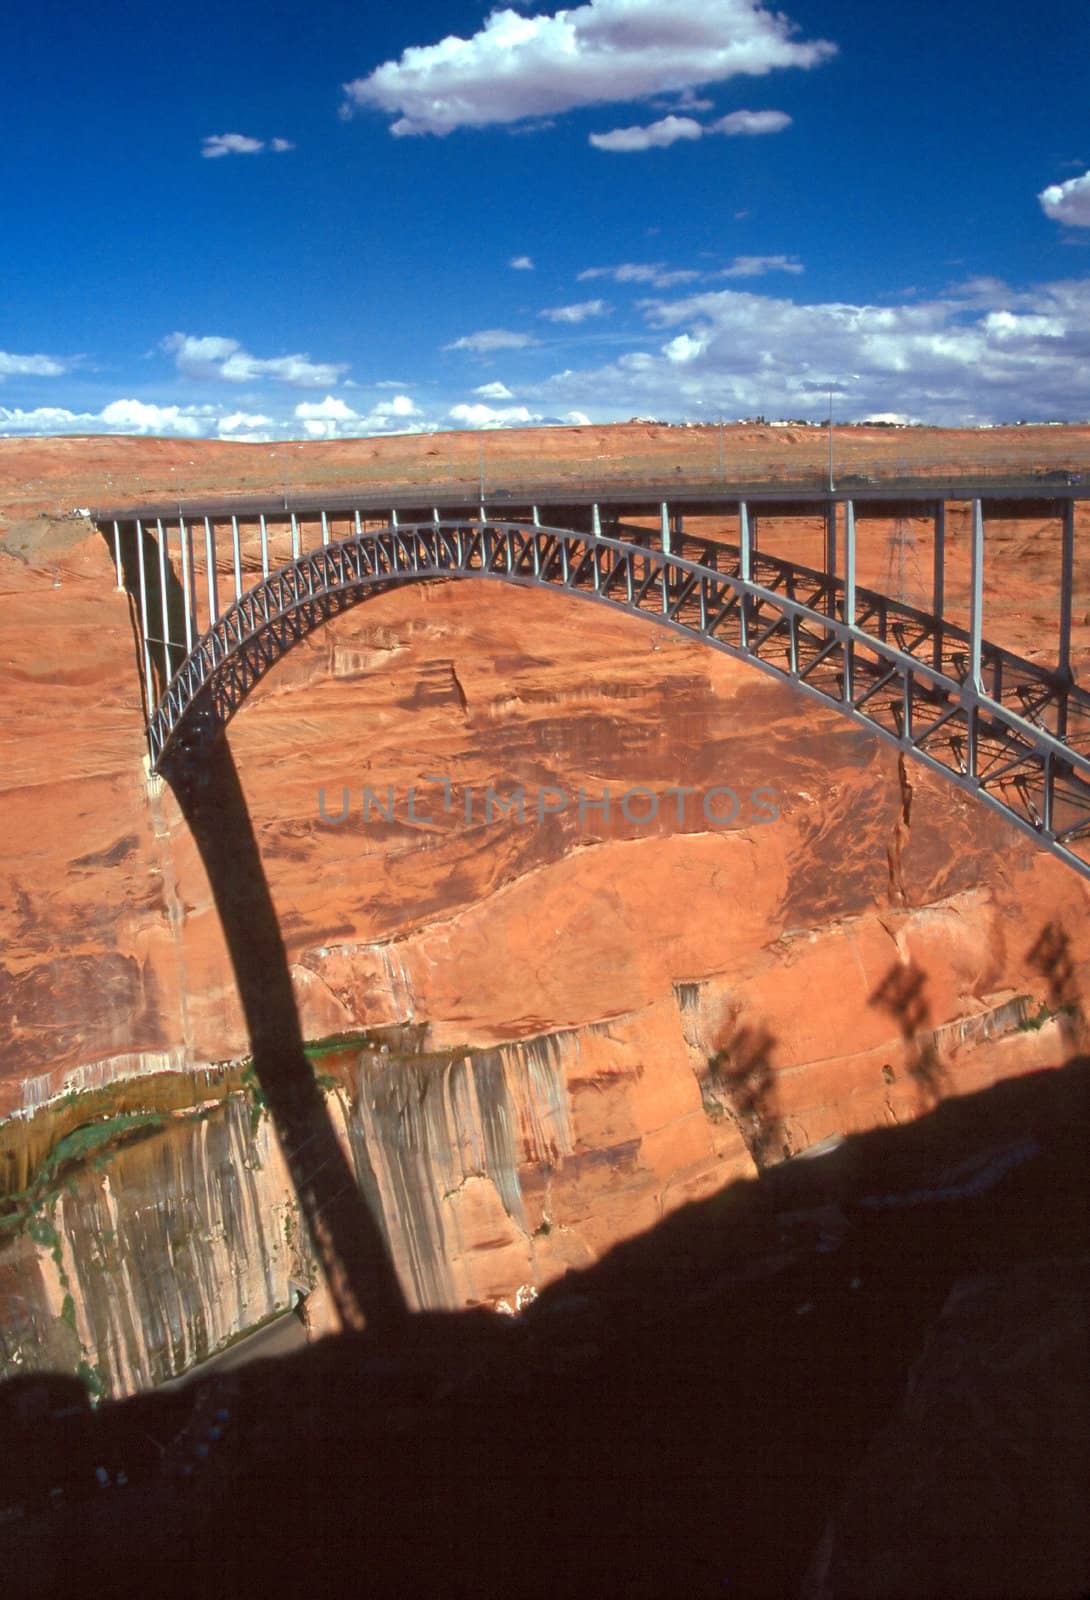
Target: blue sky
[(272, 220)]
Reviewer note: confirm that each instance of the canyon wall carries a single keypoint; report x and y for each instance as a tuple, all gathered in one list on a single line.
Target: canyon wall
[(588, 1018)]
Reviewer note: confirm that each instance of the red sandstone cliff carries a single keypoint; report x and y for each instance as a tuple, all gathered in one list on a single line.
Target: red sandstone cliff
[(726, 994)]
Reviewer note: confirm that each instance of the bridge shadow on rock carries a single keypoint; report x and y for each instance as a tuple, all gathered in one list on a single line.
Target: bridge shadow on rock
[(755, 1390), (347, 1239), (903, 994), (346, 1236), (741, 1082), (1051, 956)]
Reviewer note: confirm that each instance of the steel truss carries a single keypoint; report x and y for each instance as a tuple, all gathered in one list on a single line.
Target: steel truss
[(1010, 732)]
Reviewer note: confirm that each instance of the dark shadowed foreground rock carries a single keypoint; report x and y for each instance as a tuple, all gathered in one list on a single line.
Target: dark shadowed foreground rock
[(980, 1486), (684, 1418)]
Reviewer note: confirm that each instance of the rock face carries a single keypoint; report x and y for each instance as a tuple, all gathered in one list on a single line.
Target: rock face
[(673, 992), (978, 1486), (686, 1416)]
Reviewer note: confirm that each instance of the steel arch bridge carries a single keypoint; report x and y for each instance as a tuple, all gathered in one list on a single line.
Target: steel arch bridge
[(1011, 732)]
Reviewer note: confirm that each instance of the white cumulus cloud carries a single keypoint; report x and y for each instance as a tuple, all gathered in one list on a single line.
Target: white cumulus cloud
[(517, 67), (135, 416), (579, 312), (13, 366), (243, 422), (330, 409), (1068, 202), (494, 391), (521, 263), (656, 136), (212, 356), (751, 122), (42, 419), (653, 273), (491, 339), (668, 130), (757, 266), (119, 416), (482, 416), (965, 357), (333, 418), (215, 145)]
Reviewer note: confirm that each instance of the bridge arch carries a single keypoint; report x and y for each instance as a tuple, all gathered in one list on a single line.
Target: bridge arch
[(984, 719)]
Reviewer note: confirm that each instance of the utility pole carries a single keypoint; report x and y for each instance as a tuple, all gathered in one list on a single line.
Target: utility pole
[(830, 441)]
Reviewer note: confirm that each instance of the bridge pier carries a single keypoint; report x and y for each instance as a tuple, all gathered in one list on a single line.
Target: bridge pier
[(938, 581), (210, 573), (163, 561), (1067, 583), (745, 551), (144, 614), (849, 596), (236, 550), (117, 555), (976, 595), (187, 577)]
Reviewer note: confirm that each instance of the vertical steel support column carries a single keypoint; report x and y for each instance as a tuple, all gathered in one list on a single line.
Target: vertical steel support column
[(976, 595), (167, 641), (236, 549), (264, 547), (534, 517), (745, 566), (210, 560), (938, 583), (359, 524), (294, 537), (1067, 583), (148, 681), (830, 555), (849, 597), (393, 517), (596, 521), (325, 528), (117, 555), (664, 516), (187, 582)]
